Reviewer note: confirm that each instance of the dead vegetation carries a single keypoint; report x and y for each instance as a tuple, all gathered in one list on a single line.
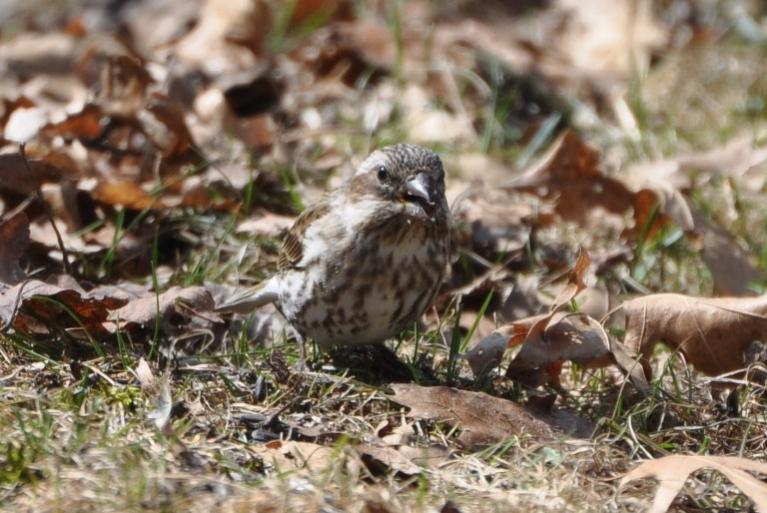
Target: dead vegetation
[(606, 172)]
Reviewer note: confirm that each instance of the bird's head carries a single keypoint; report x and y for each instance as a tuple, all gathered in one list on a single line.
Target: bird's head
[(408, 175)]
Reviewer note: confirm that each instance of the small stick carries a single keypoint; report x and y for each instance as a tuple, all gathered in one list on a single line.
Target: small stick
[(46, 209)]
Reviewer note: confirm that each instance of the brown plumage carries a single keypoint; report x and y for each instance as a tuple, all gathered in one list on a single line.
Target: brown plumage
[(366, 261)]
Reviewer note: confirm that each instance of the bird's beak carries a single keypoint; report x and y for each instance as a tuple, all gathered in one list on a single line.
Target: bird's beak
[(419, 188)]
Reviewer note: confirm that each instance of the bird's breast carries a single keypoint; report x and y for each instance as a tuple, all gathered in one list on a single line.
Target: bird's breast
[(368, 284)]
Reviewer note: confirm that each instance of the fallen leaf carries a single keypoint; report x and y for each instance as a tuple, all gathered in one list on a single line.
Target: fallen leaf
[(144, 375), (388, 457), (487, 354), (266, 225), (560, 337), (14, 239), (733, 272), (575, 280), (32, 300), (171, 136), (713, 334), (484, 419), (126, 193), (16, 177), (672, 472), (304, 10), (349, 50), (290, 455), (735, 158), (145, 310), (209, 46), (86, 124), (608, 40), (570, 174)]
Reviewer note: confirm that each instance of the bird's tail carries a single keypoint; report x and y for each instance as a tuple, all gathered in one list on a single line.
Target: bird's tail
[(247, 300)]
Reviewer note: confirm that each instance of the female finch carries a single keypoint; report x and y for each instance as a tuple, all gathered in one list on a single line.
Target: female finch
[(367, 260)]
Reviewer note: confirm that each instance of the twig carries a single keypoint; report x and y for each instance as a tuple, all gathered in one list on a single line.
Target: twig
[(46, 209)]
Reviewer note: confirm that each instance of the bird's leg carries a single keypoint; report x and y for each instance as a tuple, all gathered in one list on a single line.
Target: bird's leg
[(301, 366)]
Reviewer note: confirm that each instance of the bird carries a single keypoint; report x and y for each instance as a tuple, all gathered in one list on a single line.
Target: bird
[(365, 261)]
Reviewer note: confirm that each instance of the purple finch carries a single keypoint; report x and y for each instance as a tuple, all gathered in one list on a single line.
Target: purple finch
[(366, 261)]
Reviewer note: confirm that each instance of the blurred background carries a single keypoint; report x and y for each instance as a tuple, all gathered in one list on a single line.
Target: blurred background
[(653, 113)]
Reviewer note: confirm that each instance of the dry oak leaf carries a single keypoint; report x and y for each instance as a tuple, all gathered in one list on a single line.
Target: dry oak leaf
[(376, 456), (289, 455), (126, 193), (42, 299), (570, 173), (576, 276), (550, 340), (16, 177), (87, 124), (145, 310), (729, 264), (14, 239), (484, 419), (712, 333), (672, 471)]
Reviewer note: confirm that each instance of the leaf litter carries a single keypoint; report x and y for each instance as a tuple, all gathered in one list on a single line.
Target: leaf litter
[(172, 153)]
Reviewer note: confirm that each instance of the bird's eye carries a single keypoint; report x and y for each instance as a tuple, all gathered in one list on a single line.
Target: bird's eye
[(382, 173)]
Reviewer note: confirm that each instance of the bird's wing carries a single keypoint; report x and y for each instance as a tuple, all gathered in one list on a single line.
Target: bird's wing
[(292, 250)]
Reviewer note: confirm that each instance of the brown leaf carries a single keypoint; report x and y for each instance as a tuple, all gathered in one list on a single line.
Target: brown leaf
[(733, 272), (672, 472), (712, 333), (14, 239), (648, 215), (306, 9), (40, 298), (15, 177), (735, 158), (127, 194), (347, 50), (288, 455), (124, 82), (607, 39), (487, 354), (86, 124), (559, 338), (570, 337), (145, 310), (266, 225), (570, 173), (484, 419), (389, 457), (173, 138), (575, 280)]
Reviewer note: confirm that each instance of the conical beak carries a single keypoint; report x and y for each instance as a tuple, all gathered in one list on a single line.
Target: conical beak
[(419, 188)]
